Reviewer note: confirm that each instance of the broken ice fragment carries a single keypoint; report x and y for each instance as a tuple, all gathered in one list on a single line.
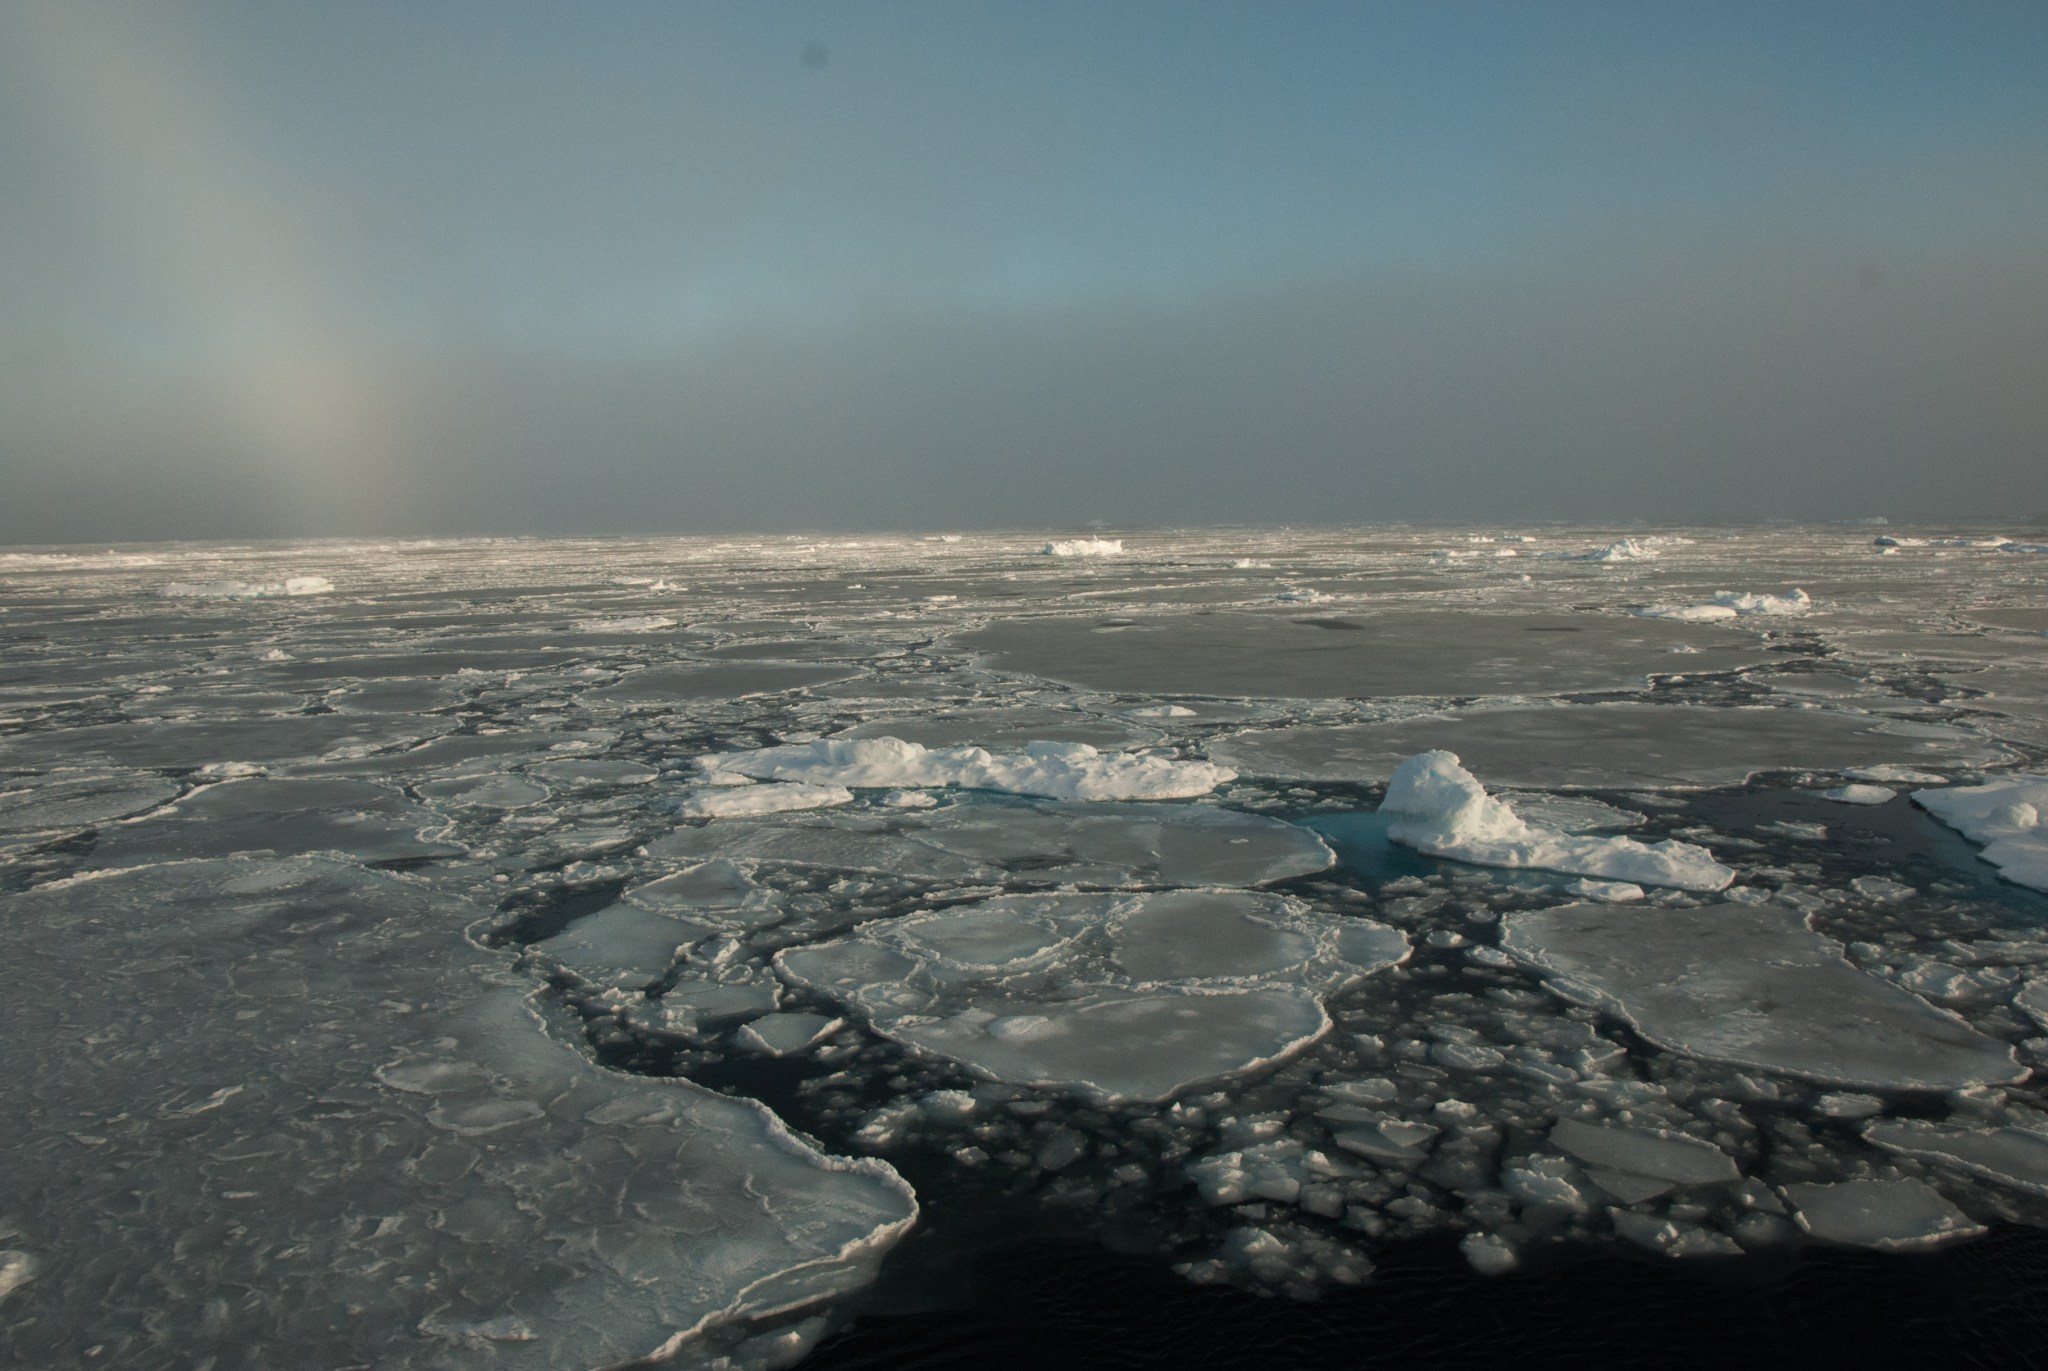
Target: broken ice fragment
[(1654, 1152), (2017, 1157)]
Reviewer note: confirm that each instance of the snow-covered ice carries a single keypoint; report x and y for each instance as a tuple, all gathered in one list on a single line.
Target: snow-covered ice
[(2009, 816)]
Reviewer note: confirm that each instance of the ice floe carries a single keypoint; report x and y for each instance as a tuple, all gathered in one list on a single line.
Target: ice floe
[(2015, 1157), (1754, 986), (1116, 997), (2009, 816), (399, 1138), (1061, 771), (1442, 809), (1890, 1215)]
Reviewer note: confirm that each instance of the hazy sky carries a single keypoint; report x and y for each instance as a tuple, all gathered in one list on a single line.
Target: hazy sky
[(432, 267)]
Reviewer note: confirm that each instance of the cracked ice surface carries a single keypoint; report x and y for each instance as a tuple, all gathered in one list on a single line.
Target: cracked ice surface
[(212, 1109)]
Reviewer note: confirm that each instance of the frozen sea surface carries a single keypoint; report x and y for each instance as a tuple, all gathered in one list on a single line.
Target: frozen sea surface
[(516, 953)]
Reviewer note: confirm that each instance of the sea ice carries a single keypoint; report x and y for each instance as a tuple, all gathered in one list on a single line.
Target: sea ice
[(631, 623), (1892, 1216), (1754, 986), (2009, 816), (1441, 809), (2015, 1157), (1060, 771), (295, 1080), (1116, 997), (1656, 1153), (1438, 652), (1621, 746)]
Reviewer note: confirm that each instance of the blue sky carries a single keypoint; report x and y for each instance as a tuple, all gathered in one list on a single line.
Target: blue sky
[(464, 267)]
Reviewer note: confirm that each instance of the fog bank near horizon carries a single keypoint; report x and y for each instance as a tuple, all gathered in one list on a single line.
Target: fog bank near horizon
[(464, 269)]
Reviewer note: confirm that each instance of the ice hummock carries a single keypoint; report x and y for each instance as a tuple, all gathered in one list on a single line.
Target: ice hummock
[(1118, 998), (2009, 816), (1083, 547), (1754, 986), (1058, 771), (1441, 809)]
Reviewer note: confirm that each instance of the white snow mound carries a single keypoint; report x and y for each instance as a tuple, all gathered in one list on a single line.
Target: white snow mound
[(1059, 771), (2008, 816), (1441, 809)]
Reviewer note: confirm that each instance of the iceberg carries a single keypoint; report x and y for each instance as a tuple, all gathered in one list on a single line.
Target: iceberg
[(1441, 809)]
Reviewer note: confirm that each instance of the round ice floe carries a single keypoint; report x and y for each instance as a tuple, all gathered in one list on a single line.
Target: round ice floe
[(1118, 997), (1620, 746), (1755, 987)]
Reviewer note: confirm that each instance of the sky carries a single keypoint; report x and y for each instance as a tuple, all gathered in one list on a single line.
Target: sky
[(434, 267)]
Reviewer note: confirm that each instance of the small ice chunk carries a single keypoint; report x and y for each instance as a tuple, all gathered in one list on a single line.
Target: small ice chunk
[(909, 799), (738, 801), (1084, 547), (1670, 1238), (1859, 794), (1843, 1105), (1655, 1152), (1442, 809), (1489, 1254), (1891, 1216), (1880, 888), (2006, 816)]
